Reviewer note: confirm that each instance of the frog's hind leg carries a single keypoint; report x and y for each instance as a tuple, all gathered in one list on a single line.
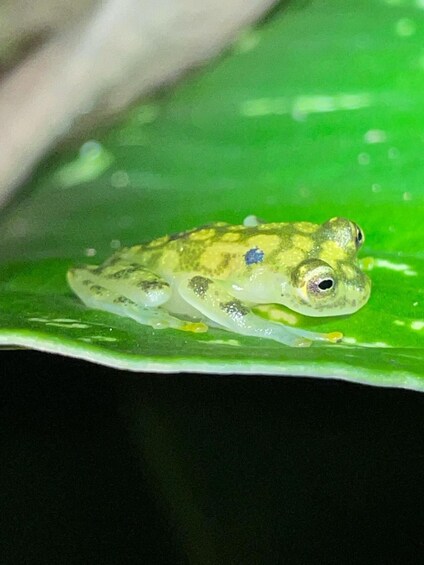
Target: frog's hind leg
[(330, 337), (218, 305), (128, 290)]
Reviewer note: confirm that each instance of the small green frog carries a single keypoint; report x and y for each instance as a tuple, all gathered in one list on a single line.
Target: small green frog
[(215, 275)]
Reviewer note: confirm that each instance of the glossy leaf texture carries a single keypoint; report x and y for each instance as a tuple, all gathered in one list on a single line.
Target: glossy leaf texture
[(315, 113)]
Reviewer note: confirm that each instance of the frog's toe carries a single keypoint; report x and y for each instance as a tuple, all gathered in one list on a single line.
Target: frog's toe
[(334, 337), (195, 327)]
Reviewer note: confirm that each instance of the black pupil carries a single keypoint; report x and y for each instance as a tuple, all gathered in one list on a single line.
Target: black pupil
[(359, 236), (325, 284)]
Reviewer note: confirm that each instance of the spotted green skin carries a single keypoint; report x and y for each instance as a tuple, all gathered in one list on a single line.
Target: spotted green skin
[(216, 274)]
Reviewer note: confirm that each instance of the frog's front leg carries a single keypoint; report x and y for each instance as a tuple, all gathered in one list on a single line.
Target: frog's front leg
[(217, 304), (129, 290)]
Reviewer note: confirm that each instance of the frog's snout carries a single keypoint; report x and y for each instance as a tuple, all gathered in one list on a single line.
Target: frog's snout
[(364, 292), (355, 295)]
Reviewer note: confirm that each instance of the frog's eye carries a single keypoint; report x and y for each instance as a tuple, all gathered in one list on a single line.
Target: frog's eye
[(320, 282), (315, 279), (359, 236)]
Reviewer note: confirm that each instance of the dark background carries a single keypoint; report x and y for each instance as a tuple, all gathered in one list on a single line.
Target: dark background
[(105, 466)]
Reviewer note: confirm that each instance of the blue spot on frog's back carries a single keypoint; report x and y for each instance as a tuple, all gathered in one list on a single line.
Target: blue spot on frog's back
[(253, 256)]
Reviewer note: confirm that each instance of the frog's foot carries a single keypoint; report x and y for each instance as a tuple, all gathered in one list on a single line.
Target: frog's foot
[(331, 337), (216, 304), (195, 327), (282, 316), (131, 291)]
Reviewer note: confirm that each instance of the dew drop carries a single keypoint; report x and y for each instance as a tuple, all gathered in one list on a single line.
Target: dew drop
[(375, 136), (364, 159), (405, 27)]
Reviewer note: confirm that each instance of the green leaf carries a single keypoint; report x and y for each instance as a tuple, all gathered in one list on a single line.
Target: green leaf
[(316, 113)]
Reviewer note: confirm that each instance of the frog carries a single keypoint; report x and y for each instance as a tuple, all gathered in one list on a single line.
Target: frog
[(217, 274)]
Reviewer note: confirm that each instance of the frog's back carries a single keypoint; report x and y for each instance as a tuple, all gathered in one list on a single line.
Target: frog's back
[(222, 231), (216, 249)]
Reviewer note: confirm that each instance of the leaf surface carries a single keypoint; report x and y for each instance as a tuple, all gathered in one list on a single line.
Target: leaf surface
[(316, 113)]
